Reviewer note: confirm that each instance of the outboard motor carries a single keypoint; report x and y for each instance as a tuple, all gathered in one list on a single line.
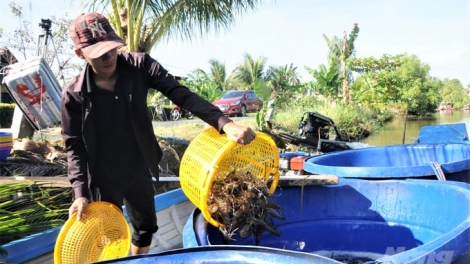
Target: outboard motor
[(314, 131), (314, 126)]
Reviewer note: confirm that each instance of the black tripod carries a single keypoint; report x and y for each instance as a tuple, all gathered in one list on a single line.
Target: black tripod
[(43, 40)]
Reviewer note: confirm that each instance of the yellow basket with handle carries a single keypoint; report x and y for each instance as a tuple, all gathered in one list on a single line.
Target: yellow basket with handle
[(211, 156)]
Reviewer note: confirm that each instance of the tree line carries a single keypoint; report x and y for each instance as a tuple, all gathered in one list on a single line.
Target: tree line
[(400, 81)]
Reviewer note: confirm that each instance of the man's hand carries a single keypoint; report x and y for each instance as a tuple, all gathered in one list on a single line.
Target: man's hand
[(78, 206), (239, 133)]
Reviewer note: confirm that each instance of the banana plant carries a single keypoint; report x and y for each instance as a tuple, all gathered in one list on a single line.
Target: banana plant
[(270, 100), (327, 79)]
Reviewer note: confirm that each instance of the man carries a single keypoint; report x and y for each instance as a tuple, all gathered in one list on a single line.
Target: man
[(112, 151)]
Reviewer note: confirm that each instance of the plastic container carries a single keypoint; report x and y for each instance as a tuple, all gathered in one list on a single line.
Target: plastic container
[(211, 156), (226, 254), (387, 221), (395, 162), (285, 157), (297, 163), (6, 144), (36, 91)]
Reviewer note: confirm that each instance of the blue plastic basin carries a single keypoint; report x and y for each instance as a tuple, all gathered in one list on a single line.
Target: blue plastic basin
[(389, 221), (397, 161)]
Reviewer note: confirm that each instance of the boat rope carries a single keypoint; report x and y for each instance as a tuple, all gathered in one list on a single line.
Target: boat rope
[(463, 135), (438, 171)]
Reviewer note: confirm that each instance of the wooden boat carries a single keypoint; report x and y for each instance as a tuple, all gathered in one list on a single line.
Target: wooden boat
[(362, 221), (173, 209)]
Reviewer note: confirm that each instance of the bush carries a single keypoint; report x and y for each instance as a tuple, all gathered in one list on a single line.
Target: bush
[(351, 120), (6, 114)]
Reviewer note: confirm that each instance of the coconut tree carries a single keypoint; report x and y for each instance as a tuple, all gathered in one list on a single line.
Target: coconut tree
[(283, 79), (144, 23), (251, 69), (218, 74)]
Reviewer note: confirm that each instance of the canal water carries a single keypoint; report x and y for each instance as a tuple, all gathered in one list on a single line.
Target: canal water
[(395, 132)]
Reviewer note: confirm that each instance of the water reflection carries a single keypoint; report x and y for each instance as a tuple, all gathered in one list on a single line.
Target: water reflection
[(392, 133)]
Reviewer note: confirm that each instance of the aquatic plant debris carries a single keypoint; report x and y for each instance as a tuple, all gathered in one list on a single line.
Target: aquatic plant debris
[(241, 202)]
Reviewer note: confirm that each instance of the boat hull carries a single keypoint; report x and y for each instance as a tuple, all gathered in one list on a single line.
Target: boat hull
[(443, 134), (399, 221), (173, 210)]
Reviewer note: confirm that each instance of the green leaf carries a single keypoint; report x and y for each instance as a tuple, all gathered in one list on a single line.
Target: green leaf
[(262, 90)]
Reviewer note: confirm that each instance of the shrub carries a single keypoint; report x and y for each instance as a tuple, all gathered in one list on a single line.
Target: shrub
[(6, 114)]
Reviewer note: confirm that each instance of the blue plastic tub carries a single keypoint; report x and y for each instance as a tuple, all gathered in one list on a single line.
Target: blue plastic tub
[(226, 254), (397, 161), (389, 221)]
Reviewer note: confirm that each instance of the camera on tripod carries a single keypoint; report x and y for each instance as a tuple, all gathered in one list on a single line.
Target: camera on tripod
[(45, 24)]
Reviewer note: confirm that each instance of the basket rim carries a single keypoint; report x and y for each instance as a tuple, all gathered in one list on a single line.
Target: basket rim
[(272, 174), (69, 223)]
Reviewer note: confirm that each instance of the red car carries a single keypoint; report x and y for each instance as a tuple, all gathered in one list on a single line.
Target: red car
[(239, 102)]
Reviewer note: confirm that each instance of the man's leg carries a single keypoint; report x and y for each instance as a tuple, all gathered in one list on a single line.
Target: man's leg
[(140, 206), (135, 250)]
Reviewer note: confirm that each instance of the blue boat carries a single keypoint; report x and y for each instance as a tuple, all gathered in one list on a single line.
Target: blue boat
[(392, 221), (362, 221), (443, 134), (172, 208)]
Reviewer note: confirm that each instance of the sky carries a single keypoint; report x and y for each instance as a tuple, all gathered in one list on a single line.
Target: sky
[(291, 32)]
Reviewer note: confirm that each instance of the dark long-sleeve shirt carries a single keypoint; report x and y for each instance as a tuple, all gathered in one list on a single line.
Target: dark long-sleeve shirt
[(137, 72)]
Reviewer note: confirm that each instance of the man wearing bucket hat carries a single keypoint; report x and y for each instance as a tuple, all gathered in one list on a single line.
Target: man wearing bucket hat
[(112, 150)]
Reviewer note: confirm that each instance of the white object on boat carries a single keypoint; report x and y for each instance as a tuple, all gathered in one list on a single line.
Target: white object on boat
[(36, 91)]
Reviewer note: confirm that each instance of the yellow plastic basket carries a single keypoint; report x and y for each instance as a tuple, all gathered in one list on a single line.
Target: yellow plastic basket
[(211, 156), (102, 234)]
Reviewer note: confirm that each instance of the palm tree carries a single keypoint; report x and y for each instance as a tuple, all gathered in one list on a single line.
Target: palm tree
[(154, 21), (247, 73), (283, 79), (341, 49), (218, 74)]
